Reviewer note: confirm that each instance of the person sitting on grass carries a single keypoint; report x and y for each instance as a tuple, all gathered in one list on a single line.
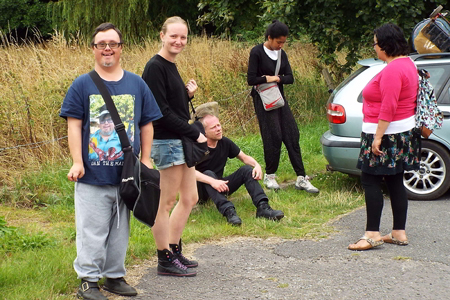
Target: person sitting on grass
[(211, 184)]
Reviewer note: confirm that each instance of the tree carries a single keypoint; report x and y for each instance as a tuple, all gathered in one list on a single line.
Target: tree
[(82, 16), (19, 16), (230, 17), (335, 25), (137, 19)]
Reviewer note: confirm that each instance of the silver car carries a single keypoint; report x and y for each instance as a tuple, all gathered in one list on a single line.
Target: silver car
[(340, 144)]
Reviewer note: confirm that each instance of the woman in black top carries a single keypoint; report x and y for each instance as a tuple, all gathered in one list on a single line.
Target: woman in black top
[(172, 96), (277, 126)]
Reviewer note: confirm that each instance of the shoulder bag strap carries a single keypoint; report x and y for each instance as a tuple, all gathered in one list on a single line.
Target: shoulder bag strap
[(120, 128), (277, 69)]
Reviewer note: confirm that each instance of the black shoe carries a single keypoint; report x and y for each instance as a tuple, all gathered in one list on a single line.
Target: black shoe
[(168, 265), (232, 216), (265, 211), (90, 291), (176, 250), (119, 286)]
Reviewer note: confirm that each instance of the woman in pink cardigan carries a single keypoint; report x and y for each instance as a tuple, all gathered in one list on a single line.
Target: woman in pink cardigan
[(389, 141)]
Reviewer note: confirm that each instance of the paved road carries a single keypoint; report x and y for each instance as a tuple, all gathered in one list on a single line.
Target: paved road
[(323, 269)]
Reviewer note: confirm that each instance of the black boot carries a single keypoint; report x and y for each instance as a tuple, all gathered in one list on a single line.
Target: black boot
[(169, 265), (119, 286), (176, 250), (90, 291), (265, 211), (232, 216)]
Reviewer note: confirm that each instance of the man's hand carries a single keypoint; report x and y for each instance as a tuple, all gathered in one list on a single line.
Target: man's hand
[(76, 172), (220, 185), (257, 172)]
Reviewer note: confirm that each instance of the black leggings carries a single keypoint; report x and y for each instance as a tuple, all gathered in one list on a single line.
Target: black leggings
[(375, 202)]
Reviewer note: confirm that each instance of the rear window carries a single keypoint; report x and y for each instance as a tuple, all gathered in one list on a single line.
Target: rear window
[(349, 78)]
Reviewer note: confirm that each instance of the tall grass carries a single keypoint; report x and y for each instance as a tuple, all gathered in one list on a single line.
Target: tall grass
[(34, 79)]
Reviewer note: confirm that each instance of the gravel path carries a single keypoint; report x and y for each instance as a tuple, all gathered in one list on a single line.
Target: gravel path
[(249, 268)]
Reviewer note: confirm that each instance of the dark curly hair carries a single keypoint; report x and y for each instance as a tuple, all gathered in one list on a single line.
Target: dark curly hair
[(391, 39), (276, 30)]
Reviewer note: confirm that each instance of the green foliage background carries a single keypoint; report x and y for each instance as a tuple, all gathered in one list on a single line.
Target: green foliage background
[(333, 25)]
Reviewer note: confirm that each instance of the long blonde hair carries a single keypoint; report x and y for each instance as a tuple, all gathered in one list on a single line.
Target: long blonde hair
[(172, 20)]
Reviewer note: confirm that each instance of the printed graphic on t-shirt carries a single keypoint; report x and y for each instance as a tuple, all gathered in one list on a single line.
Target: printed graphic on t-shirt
[(104, 143)]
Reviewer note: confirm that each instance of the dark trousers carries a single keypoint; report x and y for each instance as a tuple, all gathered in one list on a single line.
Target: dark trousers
[(278, 126), (375, 202), (242, 176)]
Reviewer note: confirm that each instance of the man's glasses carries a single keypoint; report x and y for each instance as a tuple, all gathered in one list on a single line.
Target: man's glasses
[(109, 120), (102, 46), (374, 44)]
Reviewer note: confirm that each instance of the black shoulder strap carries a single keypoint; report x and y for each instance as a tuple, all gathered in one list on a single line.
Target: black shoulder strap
[(120, 128)]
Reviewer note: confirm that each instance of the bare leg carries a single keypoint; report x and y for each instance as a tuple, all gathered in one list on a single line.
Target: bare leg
[(170, 182), (182, 210)]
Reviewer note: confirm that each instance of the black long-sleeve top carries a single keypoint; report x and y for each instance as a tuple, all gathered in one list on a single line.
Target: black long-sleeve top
[(170, 93), (260, 64)]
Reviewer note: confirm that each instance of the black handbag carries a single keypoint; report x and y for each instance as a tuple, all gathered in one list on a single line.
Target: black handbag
[(194, 152), (139, 186)]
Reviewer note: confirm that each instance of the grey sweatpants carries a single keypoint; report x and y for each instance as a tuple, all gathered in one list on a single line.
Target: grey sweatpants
[(103, 226)]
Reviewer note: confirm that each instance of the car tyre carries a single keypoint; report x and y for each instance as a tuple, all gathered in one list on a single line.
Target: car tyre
[(432, 180)]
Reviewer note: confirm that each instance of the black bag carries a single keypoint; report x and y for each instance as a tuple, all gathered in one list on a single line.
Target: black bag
[(139, 186), (194, 152)]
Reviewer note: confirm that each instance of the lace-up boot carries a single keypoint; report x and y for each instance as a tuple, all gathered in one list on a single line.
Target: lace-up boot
[(168, 265), (265, 211), (176, 250)]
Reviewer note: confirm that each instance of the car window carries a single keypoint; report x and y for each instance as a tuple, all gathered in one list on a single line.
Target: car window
[(438, 78), (349, 78)]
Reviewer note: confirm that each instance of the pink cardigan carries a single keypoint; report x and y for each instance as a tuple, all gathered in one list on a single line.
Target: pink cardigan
[(391, 95)]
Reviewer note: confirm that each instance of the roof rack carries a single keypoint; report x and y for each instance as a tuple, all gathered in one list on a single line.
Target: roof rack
[(416, 56)]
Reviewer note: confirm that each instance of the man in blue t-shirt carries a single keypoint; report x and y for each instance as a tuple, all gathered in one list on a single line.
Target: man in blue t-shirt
[(212, 184), (102, 218)]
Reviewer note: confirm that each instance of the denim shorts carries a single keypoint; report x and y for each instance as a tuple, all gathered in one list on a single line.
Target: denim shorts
[(167, 153)]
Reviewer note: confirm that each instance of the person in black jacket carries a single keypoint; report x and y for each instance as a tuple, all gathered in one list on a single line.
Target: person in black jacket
[(277, 126), (172, 96)]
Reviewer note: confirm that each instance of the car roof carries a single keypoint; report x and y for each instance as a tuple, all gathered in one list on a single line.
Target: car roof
[(416, 57)]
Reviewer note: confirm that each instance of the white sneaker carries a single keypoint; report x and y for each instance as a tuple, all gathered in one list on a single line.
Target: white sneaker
[(303, 183), (270, 181)]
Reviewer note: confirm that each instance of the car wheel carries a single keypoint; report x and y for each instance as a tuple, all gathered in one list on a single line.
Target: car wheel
[(431, 181)]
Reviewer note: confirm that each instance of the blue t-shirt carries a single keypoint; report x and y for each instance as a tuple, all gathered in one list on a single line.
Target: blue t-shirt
[(102, 153)]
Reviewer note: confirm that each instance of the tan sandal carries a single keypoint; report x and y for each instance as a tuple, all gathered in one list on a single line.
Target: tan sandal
[(392, 240), (372, 244)]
